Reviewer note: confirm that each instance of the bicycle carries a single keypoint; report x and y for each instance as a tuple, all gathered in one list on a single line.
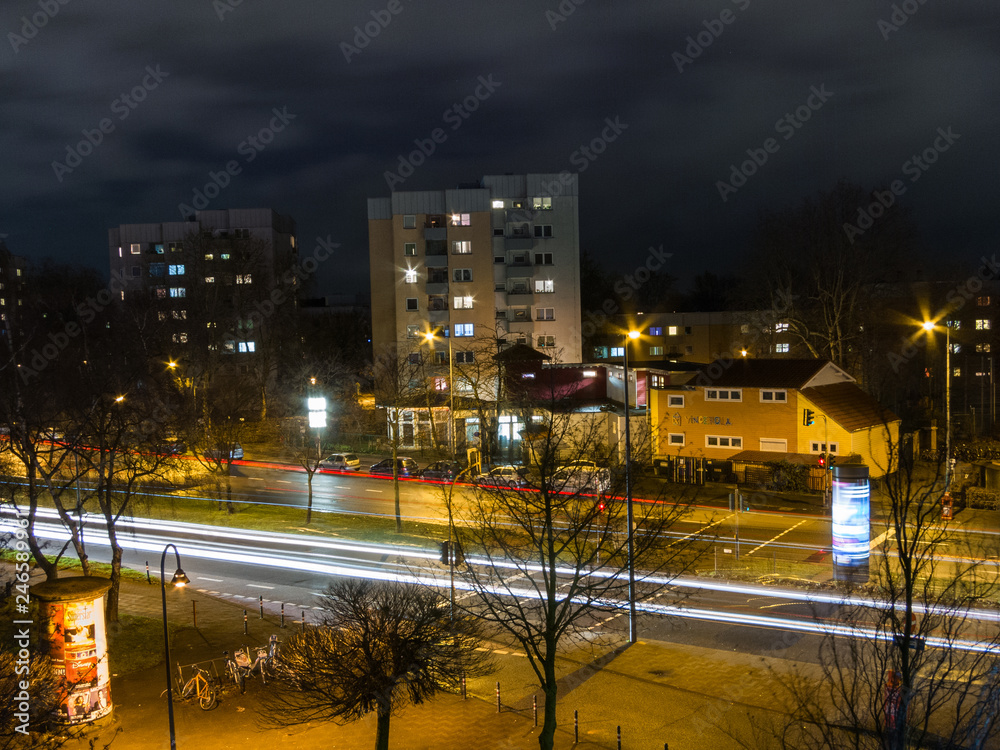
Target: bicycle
[(236, 673), (200, 686)]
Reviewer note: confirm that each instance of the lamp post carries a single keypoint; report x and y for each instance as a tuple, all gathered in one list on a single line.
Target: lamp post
[(632, 635), (430, 338), (930, 326), (179, 580)]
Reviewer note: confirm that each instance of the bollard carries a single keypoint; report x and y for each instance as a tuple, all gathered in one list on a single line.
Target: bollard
[(498, 697), (261, 598), (244, 622), (194, 613), (534, 708), (303, 621), (148, 579), (576, 726), (282, 615), (463, 688), (619, 737)]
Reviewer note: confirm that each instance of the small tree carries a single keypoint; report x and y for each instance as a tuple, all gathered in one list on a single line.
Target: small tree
[(378, 647)]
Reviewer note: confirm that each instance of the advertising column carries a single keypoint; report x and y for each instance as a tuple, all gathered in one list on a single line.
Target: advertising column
[(72, 612), (851, 525)]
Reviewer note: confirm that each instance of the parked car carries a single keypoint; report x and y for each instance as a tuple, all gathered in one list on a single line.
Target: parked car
[(407, 467), (216, 454), (503, 476), (581, 479), (446, 470), (580, 463), (171, 447), (341, 462)]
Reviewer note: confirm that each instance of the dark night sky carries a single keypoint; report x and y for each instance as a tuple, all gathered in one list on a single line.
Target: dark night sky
[(654, 184)]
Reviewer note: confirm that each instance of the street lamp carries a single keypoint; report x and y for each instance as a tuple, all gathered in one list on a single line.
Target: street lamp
[(929, 326), (179, 580), (430, 338), (632, 635)]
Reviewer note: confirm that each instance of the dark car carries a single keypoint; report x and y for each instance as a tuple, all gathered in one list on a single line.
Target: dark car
[(447, 470), (171, 448), (407, 467)]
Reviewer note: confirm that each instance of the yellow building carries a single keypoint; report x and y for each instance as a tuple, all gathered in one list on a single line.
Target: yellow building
[(753, 411)]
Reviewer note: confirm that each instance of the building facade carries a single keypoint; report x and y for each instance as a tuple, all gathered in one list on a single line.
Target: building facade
[(12, 280), (496, 260)]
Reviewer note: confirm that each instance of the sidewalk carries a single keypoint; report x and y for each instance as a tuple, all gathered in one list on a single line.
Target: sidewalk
[(657, 692)]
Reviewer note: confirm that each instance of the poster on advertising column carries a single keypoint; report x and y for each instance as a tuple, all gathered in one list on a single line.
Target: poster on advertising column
[(851, 512), (76, 642)]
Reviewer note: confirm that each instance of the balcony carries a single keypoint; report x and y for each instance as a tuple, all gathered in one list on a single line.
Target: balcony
[(438, 316), (436, 288), (517, 289), (519, 316), (435, 233)]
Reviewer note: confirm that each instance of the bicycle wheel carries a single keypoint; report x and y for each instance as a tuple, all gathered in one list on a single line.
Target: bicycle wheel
[(207, 698)]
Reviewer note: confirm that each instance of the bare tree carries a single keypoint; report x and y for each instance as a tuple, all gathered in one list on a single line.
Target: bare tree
[(379, 647), (923, 671), (556, 554)]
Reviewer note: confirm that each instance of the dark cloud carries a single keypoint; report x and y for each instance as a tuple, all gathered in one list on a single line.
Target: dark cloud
[(656, 183)]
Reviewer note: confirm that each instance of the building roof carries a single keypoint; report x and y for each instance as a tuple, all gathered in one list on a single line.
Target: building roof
[(522, 353), (770, 373), (849, 406), (765, 457)]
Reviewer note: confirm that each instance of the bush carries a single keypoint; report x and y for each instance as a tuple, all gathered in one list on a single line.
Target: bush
[(787, 477), (977, 497)]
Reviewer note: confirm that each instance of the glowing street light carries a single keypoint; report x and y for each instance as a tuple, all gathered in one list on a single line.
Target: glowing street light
[(930, 326), (632, 634)]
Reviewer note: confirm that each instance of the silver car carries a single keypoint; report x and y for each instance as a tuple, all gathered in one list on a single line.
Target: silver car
[(341, 462), (581, 479)]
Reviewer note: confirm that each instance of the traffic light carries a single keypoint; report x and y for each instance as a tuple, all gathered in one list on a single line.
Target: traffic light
[(808, 417), (445, 552), (822, 460), (459, 553)]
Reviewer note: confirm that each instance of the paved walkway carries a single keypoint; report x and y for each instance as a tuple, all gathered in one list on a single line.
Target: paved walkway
[(657, 692)]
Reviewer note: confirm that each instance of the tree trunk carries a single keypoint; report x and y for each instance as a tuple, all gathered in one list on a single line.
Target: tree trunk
[(547, 737), (382, 732), (111, 607), (230, 508), (395, 473), (309, 506)]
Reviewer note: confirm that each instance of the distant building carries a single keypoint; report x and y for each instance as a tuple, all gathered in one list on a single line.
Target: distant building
[(12, 280), (499, 259), (213, 280)]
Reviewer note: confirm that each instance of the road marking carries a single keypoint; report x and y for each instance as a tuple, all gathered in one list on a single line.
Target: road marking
[(283, 481), (213, 580), (256, 479), (790, 528), (258, 586), (698, 531), (373, 490), (890, 532)]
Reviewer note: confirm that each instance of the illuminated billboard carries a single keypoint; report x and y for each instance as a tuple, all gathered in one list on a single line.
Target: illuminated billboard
[(851, 515)]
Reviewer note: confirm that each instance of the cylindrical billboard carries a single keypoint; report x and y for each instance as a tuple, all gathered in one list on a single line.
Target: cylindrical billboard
[(72, 610), (851, 515)]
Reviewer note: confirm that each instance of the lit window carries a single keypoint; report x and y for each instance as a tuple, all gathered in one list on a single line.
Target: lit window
[(178, 291), (175, 270), (440, 384), (617, 351), (247, 347), (180, 314), (412, 332), (224, 256), (983, 301), (956, 348), (411, 304), (409, 248), (541, 203), (781, 348), (982, 347), (461, 274), (780, 327), (543, 230), (461, 220), (410, 277), (209, 279), (544, 286), (546, 342), (497, 203), (160, 292), (954, 325), (461, 247), (135, 248), (675, 438), (175, 247), (209, 256), (545, 313), (527, 375), (656, 331), (463, 329), (672, 330), (244, 278), (956, 372), (983, 324), (656, 351), (161, 315), (409, 221), (180, 338), (158, 248), (463, 303)]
